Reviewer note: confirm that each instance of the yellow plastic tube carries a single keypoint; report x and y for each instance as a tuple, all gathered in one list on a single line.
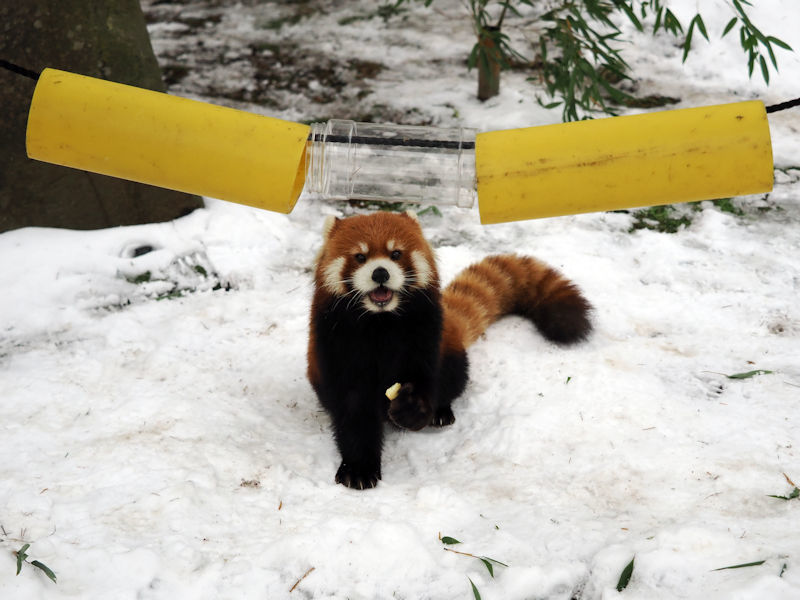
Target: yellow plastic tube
[(624, 162), (167, 141)]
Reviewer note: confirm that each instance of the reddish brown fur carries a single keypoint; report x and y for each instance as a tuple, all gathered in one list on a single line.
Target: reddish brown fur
[(501, 285), (419, 337)]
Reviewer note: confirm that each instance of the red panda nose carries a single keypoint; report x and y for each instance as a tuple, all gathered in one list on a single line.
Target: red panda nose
[(380, 275)]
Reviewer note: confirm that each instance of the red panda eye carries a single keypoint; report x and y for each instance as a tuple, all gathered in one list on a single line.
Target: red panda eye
[(360, 258), (396, 255)]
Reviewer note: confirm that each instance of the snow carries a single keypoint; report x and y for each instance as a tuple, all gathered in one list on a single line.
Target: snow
[(160, 440)]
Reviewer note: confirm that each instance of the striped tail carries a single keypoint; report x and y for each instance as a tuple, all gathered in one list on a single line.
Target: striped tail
[(509, 284)]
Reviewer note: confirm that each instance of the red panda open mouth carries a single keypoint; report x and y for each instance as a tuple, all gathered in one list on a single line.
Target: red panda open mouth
[(381, 295)]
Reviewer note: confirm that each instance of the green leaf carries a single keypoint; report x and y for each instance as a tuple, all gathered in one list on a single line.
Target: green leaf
[(764, 69), (795, 494), (449, 540), (631, 16), (752, 564), (671, 23), (657, 24), (488, 565), (141, 278), (780, 43), (21, 556), (201, 270), (749, 374), (472, 61), (45, 569), (487, 562), (497, 562), (772, 56), (549, 105), (729, 26), (432, 209), (701, 26), (687, 43), (475, 592), (625, 576)]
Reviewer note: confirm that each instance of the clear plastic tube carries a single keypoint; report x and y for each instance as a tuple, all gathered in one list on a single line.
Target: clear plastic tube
[(391, 163)]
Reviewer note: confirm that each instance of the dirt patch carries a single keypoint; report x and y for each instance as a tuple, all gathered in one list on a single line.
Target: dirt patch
[(249, 53)]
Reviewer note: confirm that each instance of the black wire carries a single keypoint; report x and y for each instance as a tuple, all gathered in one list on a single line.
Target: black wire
[(9, 66), (783, 105), (379, 141), (14, 68)]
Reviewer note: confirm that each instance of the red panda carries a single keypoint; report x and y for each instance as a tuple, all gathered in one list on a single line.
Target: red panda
[(378, 317)]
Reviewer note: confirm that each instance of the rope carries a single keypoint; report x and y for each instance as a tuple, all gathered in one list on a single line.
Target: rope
[(410, 142), (783, 105), (14, 68), (9, 66)]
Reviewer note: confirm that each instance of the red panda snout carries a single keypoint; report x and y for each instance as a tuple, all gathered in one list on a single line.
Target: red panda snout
[(379, 281)]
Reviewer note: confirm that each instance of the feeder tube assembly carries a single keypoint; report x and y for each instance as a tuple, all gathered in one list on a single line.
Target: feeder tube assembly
[(604, 164)]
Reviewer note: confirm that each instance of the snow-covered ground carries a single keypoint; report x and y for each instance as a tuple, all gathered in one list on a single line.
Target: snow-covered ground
[(159, 439)]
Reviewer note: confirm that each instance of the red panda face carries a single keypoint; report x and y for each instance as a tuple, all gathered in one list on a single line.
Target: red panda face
[(375, 260)]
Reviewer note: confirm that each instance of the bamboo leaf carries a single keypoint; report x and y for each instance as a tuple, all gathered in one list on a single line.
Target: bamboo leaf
[(21, 556), (473, 57), (687, 44), (632, 16), (488, 565), (625, 576), (795, 494), (764, 69), (45, 569), (475, 592), (659, 16), (449, 540), (729, 26), (780, 43), (751, 564), (749, 374), (671, 23), (549, 105), (497, 562), (772, 55), (701, 26)]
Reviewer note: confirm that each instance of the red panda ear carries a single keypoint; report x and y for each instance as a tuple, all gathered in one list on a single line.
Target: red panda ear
[(327, 227), (412, 215)]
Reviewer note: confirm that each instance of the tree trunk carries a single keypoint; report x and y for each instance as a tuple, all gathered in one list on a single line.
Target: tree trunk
[(489, 60), (99, 38)]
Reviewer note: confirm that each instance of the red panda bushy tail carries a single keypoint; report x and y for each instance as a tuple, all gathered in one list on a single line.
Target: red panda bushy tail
[(509, 284)]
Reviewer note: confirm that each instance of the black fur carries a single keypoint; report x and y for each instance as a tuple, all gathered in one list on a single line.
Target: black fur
[(360, 354)]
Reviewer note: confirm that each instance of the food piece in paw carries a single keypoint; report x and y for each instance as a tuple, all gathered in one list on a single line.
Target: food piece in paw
[(392, 391)]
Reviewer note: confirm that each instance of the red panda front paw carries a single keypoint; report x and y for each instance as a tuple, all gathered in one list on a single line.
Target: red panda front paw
[(357, 476), (409, 410), (443, 417)]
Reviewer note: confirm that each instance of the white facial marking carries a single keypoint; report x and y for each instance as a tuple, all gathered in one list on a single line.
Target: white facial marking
[(363, 282), (423, 269), (332, 276), (390, 245), (363, 248)]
